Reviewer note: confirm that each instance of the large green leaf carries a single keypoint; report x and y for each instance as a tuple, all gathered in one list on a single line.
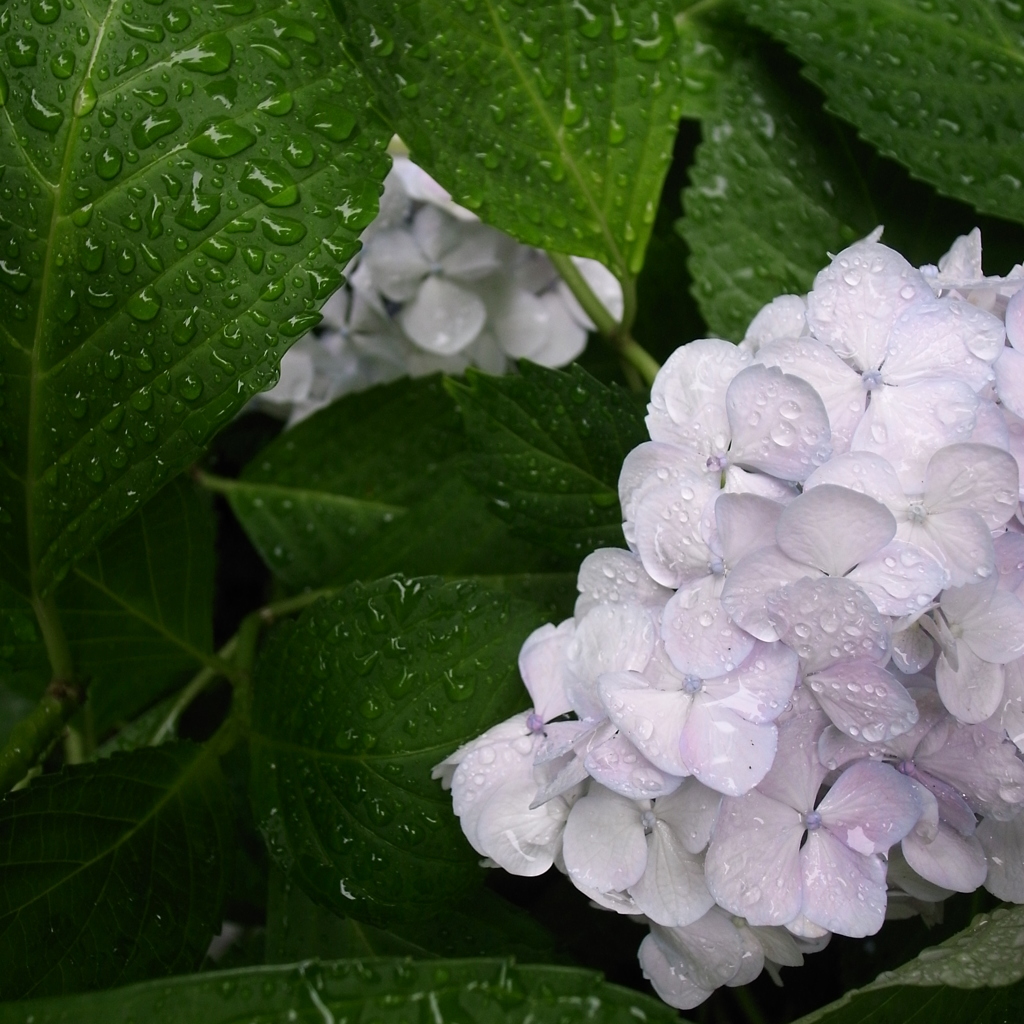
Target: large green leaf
[(353, 704), (479, 924), (112, 872), (369, 486), (553, 120), (388, 991), (936, 85), (181, 190), (137, 612), (771, 193), (972, 978), (550, 445)]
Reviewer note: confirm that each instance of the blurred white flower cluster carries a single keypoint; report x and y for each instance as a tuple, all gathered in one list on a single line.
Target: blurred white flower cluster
[(434, 289), (795, 704)]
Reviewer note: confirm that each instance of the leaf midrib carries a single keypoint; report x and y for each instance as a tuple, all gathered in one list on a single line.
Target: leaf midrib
[(557, 138)]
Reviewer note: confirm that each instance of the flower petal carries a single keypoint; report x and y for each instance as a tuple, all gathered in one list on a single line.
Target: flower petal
[(829, 619), (609, 638), (908, 424), (1009, 371), (648, 466), (671, 891), (688, 396), (542, 666), (856, 300), (979, 762), (745, 522), (667, 529), (652, 719), (725, 752), (797, 773), (863, 700), (778, 422), (699, 636), (901, 579), (522, 839), (960, 540), (943, 338), (870, 807), (784, 317), (973, 691), (753, 866), (396, 263), (691, 812), (1003, 843), (604, 846), (669, 977), (752, 580), (444, 317), (838, 386), (950, 860), (620, 767), (973, 476), (834, 528), (613, 576), (844, 891), (994, 630), (865, 472), (912, 649), (760, 688)]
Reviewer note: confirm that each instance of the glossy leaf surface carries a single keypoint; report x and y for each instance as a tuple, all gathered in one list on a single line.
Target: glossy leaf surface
[(549, 447), (354, 703), (480, 924), (389, 991), (185, 187), (935, 85), (369, 486), (768, 199), (974, 976), (568, 109), (138, 611), (112, 872)]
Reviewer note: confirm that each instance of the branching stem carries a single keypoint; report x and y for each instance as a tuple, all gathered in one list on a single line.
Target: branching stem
[(616, 334)]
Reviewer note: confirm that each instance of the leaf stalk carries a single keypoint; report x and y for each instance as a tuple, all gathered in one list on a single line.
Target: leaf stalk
[(616, 333)]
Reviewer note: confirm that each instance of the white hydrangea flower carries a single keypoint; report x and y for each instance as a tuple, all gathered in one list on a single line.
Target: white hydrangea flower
[(435, 290), (795, 706)]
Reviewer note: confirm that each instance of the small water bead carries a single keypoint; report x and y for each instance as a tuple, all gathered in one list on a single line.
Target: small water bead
[(46, 12), (177, 19), (283, 230), (43, 115), (333, 122), (222, 138), (190, 387), (211, 55), (22, 51), (108, 162), (145, 305), (62, 64), (269, 182), (155, 96), (278, 105), (298, 151), (153, 127), (148, 33)]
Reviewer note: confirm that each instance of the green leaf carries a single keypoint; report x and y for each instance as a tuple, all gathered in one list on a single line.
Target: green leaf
[(553, 121), (187, 188), (973, 977), (137, 612), (369, 486), (479, 924), (936, 85), (391, 991), (353, 704), (111, 872), (771, 193), (550, 445)]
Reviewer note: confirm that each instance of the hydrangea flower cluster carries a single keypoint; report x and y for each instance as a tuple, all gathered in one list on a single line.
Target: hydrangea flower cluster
[(795, 705), (434, 289)]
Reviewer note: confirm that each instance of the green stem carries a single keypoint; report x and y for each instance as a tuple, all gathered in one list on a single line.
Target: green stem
[(199, 682), (57, 649), (617, 334), (747, 1004), (31, 739)]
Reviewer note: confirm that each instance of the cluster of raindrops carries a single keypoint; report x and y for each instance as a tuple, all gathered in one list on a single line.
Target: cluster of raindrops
[(434, 290), (794, 707), (181, 191)]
